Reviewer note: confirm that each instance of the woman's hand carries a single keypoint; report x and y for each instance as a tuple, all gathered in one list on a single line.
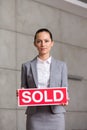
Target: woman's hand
[(16, 93), (65, 104)]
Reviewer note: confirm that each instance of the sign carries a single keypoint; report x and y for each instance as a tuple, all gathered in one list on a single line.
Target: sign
[(46, 96)]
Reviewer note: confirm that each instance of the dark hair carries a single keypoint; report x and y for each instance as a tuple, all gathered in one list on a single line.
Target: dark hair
[(43, 30)]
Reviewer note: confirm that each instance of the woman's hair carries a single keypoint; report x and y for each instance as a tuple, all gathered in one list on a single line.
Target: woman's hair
[(43, 30)]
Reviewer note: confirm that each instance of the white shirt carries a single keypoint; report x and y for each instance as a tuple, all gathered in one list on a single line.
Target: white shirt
[(43, 72)]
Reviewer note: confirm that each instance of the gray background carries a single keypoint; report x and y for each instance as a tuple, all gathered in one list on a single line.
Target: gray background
[(19, 20)]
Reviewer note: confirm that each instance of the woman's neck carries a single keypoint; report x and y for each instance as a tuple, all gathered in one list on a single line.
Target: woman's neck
[(44, 57)]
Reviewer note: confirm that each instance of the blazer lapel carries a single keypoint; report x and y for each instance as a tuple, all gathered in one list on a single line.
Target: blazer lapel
[(52, 72), (34, 70)]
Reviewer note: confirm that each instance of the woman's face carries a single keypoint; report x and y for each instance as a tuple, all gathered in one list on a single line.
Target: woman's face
[(43, 43)]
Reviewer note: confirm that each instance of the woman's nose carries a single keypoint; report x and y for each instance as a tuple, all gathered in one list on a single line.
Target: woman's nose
[(42, 43)]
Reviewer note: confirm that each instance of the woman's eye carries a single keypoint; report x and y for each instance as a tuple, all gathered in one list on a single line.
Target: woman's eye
[(46, 41), (38, 41)]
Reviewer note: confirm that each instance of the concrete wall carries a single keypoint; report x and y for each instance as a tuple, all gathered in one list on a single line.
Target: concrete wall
[(19, 20)]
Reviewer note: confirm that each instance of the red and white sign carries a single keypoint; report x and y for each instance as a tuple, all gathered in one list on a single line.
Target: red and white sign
[(47, 96)]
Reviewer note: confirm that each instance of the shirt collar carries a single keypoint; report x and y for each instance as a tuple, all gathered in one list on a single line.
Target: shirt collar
[(44, 61)]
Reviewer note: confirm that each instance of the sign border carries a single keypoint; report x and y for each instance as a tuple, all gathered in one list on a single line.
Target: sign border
[(42, 89)]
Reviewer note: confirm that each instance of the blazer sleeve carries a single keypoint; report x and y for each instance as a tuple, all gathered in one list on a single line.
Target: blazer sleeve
[(64, 81), (23, 76)]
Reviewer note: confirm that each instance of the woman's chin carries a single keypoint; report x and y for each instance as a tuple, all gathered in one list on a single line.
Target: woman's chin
[(43, 53)]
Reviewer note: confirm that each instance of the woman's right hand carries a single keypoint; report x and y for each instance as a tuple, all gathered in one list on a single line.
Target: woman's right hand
[(16, 93)]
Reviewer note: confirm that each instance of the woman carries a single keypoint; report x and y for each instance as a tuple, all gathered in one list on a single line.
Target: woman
[(44, 71)]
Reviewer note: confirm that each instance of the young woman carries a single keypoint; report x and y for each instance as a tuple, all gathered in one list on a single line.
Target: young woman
[(42, 72)]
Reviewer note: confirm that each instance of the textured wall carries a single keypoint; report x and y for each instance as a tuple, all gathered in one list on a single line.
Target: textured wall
[(19, 19)]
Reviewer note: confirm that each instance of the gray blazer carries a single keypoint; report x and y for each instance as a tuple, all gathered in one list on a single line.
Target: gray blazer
[(58, 78)]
